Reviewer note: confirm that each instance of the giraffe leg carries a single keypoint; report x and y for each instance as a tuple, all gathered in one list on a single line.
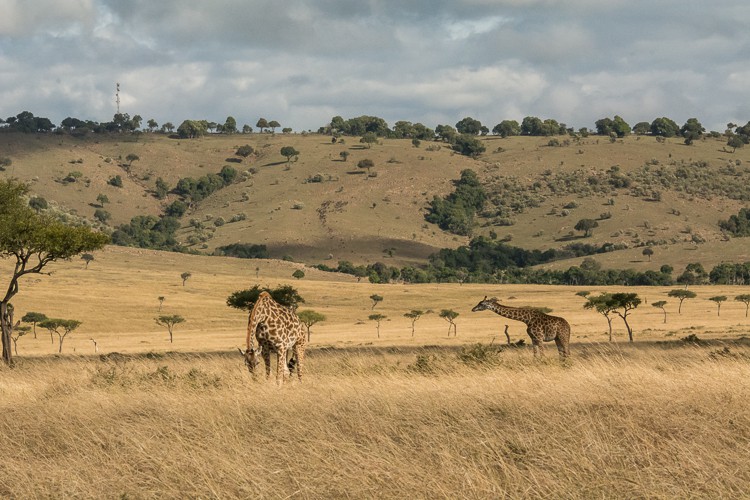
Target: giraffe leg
[(536, 342), (299, 353), (267, 362), (281, 368)]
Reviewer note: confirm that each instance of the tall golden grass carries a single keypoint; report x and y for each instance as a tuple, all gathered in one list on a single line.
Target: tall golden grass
[(644, 421)]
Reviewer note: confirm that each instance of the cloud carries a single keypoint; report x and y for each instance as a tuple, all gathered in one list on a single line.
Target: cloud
[(435, 61)]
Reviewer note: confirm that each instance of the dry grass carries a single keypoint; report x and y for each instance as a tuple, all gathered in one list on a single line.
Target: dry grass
[(645, 422), (116, 299)]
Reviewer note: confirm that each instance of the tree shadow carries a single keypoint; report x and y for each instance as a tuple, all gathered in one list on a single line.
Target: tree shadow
[(571, 237), (273, 164)]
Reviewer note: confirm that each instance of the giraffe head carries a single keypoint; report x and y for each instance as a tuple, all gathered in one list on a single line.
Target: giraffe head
[(252, 358), (484, 304)]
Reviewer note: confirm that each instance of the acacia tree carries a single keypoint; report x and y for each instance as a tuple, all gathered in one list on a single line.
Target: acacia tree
[(33, 318), (681, 295), (587, 226), (33, 240), (161, 301), (627, 302), (413, 315), (718, 299), (185, 276), (289, 151), (170, 322), (450, 315), (648, 252), (604, 305), (19, 332), (377, 318), (308, 318), (366, 163), (660, 304), (745, 298), (62, 327), (376, 299)]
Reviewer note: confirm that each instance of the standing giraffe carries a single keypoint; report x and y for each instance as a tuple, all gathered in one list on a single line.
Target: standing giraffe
[(277, 328), (540, 327)]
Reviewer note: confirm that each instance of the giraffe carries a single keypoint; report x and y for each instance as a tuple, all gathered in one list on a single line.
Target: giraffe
[(277, 328), (540, 327)]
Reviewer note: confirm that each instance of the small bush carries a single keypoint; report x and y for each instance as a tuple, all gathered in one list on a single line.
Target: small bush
[(479, 354)]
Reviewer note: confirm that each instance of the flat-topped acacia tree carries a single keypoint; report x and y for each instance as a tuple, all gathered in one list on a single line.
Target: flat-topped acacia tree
[(33, 240)]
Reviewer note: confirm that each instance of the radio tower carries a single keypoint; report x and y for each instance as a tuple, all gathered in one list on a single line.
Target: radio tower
[(117, 98)]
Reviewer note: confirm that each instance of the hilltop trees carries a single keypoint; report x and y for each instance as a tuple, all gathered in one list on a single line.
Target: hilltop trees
[(664, 127), (190, 129), (469, 126), (616, 126), (33, 240), (692, 130), (507, 128)]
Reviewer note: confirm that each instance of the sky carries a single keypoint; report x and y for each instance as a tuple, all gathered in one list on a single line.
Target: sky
[(302, 62)]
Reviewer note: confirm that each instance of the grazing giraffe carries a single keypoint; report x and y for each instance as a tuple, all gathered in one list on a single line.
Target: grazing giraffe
[(540, 327), (277, 328)]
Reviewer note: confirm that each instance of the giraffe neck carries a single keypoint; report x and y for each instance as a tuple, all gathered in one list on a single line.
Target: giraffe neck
[(511, 312), (257, 315)]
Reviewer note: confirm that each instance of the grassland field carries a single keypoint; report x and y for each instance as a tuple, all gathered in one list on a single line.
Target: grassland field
[(423, 415)]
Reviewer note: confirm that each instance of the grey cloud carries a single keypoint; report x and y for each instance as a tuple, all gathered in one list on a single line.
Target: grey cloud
[(301, 62)]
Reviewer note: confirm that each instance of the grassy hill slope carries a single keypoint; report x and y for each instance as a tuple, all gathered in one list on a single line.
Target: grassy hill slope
[(350, 216)]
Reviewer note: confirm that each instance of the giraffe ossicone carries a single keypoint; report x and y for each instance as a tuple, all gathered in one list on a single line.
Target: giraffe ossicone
[(541, 327)]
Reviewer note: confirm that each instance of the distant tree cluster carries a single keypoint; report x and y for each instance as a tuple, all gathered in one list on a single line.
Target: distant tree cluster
[(737, 225), (196, 190), (243, 251), (147, 231), (455, 212)]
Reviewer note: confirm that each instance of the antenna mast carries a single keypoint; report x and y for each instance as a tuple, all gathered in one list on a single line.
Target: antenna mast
[(117, 98)]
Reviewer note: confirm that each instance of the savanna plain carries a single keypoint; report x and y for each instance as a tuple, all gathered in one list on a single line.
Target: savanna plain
[(381, 414)]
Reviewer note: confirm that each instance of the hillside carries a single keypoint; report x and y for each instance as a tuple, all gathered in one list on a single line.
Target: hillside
[(349, 215)]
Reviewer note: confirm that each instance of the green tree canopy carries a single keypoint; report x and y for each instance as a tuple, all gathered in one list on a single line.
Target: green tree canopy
[(469, 145), (62, 327), (309, 318), (664, 127), (286, 295), (469, 126), (681, 295), (745, 298), (289, 152), (587, 226), (33, 240), (169, 322), (507, 128)]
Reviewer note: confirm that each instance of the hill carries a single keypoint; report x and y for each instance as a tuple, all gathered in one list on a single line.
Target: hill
[(642, 191)]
